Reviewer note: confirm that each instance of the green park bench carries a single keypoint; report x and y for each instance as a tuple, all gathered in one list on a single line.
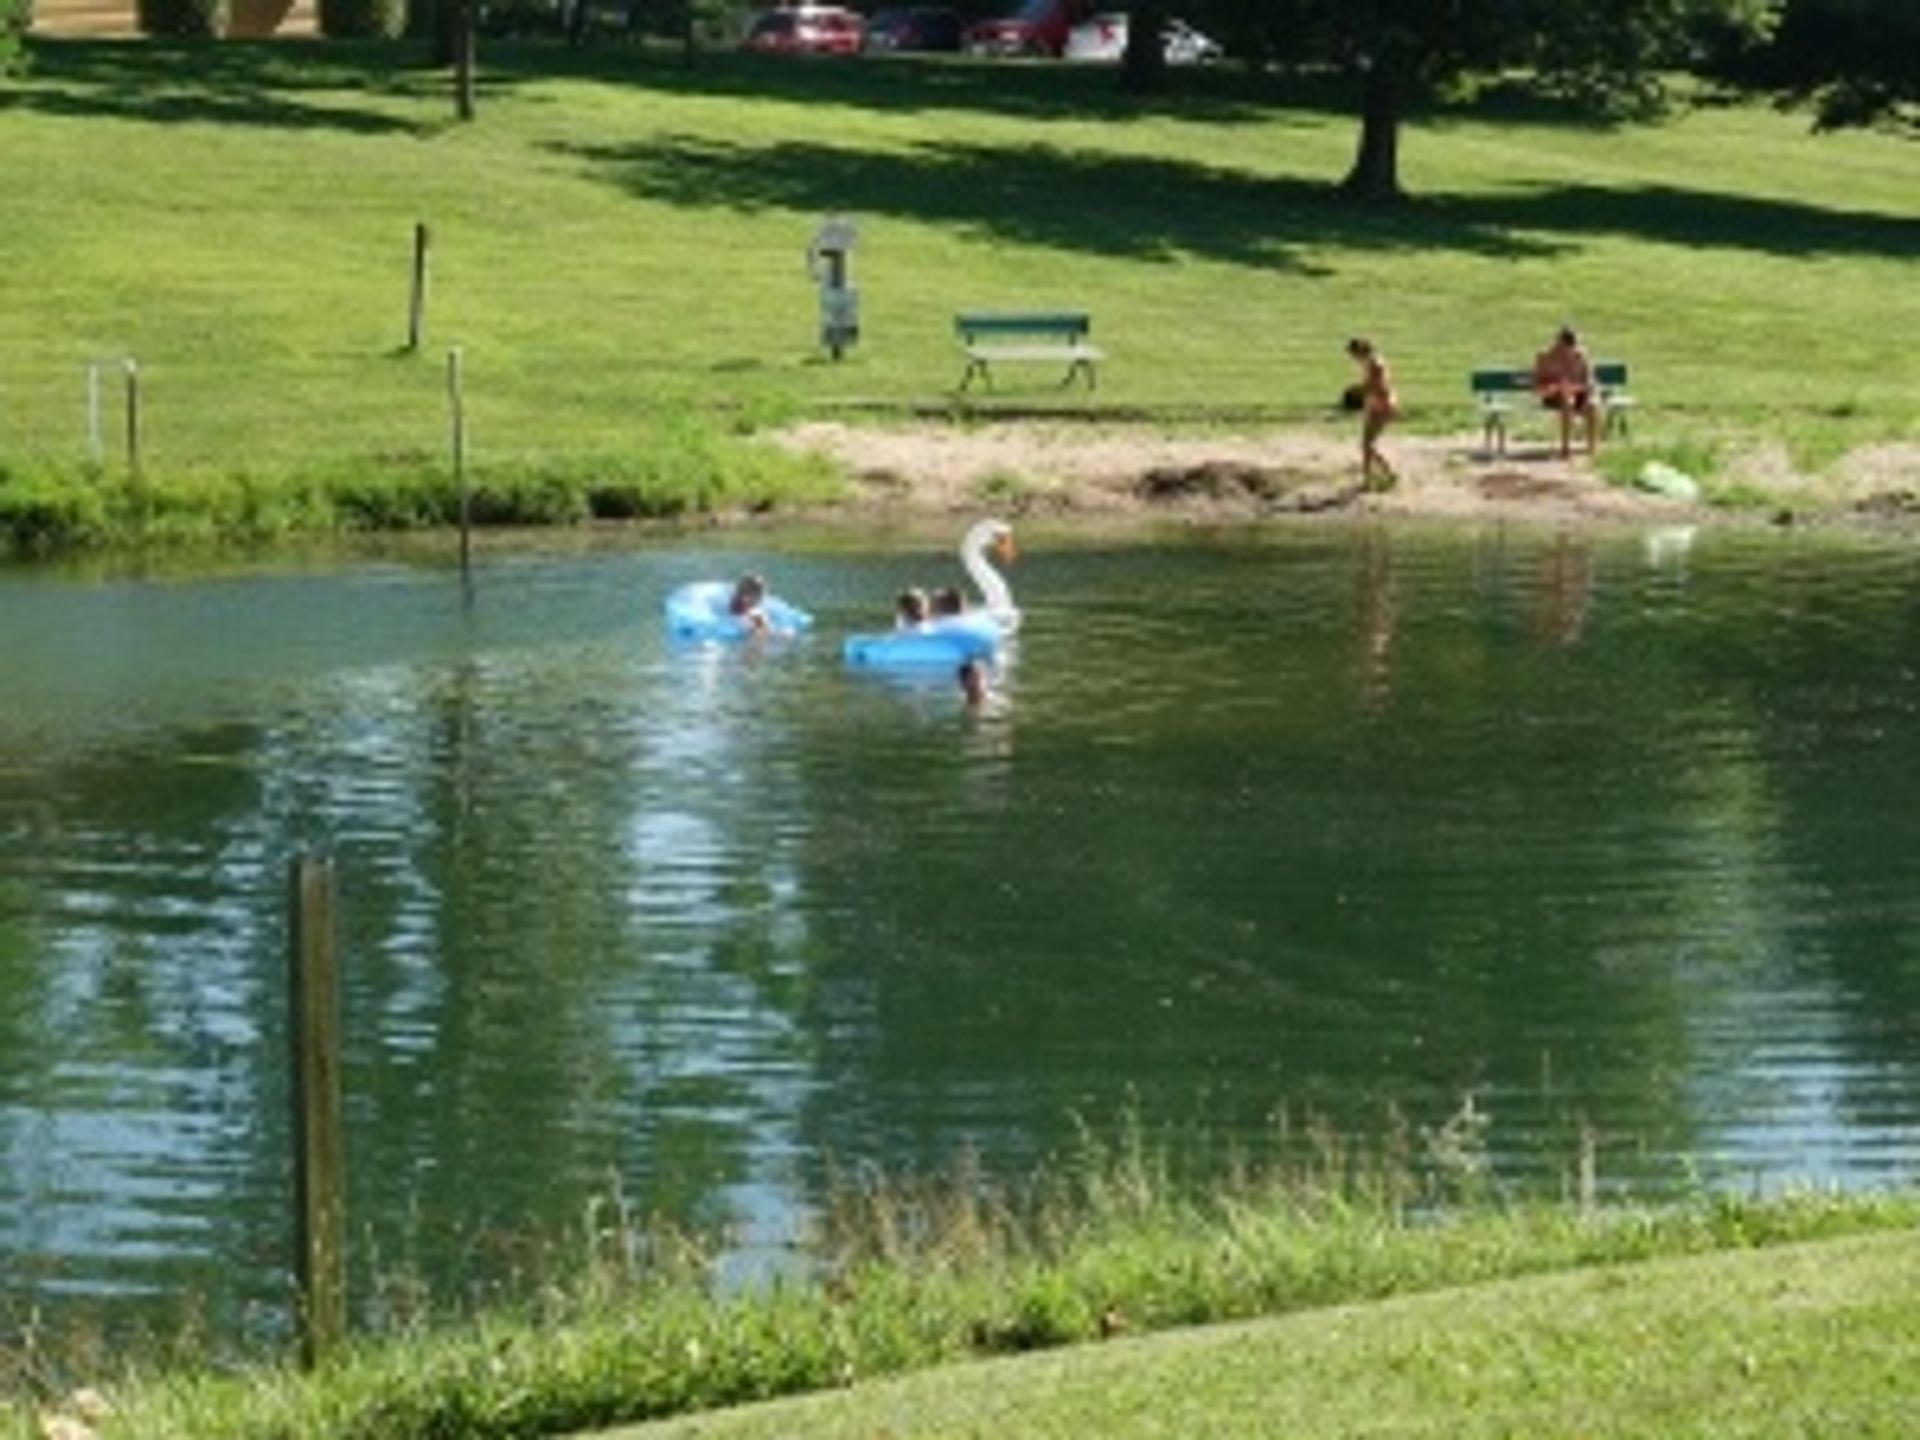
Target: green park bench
[(1500, 393), (1051, 337)]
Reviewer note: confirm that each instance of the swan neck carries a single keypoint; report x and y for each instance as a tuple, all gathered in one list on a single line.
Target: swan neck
[(993, 588)]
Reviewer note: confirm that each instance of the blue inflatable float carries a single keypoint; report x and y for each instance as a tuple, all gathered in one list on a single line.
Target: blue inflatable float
[(950, 642), (702, 611), (954, 639)]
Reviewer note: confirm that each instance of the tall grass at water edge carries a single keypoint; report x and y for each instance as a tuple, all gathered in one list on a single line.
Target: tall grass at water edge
[(904, 1274), (680, 468)]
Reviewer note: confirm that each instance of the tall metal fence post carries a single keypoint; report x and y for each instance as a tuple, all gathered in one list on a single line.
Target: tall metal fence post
[(319, 1152)]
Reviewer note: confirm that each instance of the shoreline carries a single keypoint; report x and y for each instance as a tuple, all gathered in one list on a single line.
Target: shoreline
[(1070, 469), (1071, 472)]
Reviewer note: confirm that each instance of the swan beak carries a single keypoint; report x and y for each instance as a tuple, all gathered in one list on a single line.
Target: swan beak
[(1004, 547)]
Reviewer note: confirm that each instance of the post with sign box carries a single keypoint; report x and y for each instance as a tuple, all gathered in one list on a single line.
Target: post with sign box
[(839, 301)]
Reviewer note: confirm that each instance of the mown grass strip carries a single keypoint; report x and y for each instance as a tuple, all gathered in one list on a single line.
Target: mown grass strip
[(1801, 1340)]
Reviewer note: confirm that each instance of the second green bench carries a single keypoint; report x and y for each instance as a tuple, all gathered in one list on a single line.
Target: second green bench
[(1056, 337), (1499, 392)]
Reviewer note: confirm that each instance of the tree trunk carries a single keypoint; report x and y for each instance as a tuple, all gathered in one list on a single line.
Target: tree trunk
[(463, 46), (1143, 67), (445, 32), (1375, 175)]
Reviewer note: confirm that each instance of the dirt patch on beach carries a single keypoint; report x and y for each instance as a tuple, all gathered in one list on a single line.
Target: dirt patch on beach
[(1065, 468), (1040, 468)]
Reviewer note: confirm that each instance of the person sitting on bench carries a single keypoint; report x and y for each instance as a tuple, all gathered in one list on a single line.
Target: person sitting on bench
[(1563, 379)]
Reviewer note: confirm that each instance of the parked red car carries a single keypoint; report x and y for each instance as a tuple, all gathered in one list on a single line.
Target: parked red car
[(806, 30), (1035, 27)]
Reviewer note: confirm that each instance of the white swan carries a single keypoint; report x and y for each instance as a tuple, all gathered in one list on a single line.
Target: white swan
[(995, 595)]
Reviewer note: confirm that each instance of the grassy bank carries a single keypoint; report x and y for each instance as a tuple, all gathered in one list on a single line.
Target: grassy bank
[(670, 470), (904, 1279), (1805, 1340), (618, 242)]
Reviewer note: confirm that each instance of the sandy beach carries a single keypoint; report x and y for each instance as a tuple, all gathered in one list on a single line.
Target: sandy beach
[(1068, 468)]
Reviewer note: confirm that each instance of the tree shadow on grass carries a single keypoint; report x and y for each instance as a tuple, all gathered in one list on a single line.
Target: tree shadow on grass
[(1114, 206), (260, 84), (1149, 209), (915, 84), (1671, 215)]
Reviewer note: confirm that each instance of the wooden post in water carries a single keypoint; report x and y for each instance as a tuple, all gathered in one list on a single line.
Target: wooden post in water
[(417, 306), (319, 1152), (457, 401), (133, 417)]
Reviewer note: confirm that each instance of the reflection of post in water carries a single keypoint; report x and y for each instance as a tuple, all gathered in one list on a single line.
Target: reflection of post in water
[(1377, 613), (1565, 593), (455, 706), (987, 751)]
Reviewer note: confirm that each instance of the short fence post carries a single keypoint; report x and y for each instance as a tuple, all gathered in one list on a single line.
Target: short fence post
[(457, 403), (318, 1145), (417, 306), (133, 417), (96, 446)]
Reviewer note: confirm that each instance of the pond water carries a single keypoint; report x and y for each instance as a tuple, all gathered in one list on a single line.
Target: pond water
[(1612, 833)]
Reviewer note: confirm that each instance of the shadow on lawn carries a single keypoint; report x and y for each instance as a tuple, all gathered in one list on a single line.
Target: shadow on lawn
[(240, 83), (1151, 209), (261, 82), (1071, 199), (1118, 206), (915, 84), (1670, 215)]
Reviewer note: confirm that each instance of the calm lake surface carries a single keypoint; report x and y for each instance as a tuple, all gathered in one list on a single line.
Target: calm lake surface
[(1603, 831)]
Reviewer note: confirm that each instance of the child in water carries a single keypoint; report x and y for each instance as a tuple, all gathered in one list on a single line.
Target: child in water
[(973, 684), (910, 609), (749, 593)]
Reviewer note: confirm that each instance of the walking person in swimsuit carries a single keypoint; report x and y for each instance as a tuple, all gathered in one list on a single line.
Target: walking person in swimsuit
[(1378, 406)]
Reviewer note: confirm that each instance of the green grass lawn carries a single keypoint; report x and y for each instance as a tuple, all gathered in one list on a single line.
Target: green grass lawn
[(620, 239), (1808, 1340)]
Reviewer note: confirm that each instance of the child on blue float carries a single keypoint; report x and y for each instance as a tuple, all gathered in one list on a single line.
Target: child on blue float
[(911, 609), (749, 593)]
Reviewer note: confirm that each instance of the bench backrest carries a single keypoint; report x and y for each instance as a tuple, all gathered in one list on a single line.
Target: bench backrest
[(1072, 325), (1607, 374), (1495, 382)]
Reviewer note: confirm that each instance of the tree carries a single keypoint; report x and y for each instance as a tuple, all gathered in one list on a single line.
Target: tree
[(1401, 51), (1856, 62), (1143, 65), (465, 25), (14, 15)]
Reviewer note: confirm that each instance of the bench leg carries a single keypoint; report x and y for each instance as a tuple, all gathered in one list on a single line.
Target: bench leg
[(1493, 434), (1076, 368), (976, 367)]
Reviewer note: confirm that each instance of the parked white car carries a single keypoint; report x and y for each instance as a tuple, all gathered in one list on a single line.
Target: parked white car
[(1103, 37)]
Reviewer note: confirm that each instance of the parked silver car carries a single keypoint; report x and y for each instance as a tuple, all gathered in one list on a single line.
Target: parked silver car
[(1103, 37)]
